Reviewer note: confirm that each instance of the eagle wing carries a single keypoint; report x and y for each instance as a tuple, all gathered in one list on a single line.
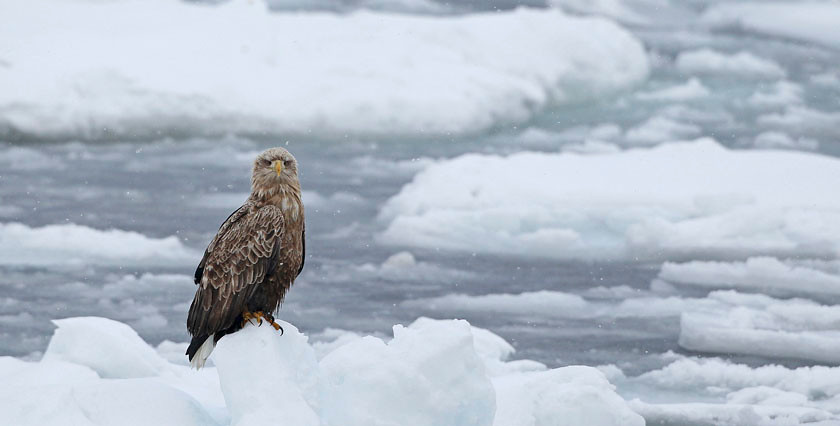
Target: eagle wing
[(243, 252)]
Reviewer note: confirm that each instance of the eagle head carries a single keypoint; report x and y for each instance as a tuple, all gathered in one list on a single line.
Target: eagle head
[(275, 172)]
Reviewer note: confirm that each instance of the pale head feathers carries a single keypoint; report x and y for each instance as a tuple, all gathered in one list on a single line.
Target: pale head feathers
[(274, 180)]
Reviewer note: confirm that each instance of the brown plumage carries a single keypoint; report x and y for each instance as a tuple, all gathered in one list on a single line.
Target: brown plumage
[(254, 257)]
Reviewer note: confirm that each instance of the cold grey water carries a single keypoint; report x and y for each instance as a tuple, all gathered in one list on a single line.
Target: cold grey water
[(781, 93)]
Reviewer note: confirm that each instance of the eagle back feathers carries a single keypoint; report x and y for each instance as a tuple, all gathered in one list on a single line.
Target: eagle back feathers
[(242, 256)]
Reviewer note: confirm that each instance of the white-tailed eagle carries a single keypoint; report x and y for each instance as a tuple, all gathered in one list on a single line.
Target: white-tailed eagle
[(253, 259)]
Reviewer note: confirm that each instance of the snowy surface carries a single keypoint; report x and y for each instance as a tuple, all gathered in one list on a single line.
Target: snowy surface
[(737, 394), (737, 327), (99, 372), (760, 325), (280, 73), (676, 200), (762, 274), (71, 244), (808, 21), (745, 64)]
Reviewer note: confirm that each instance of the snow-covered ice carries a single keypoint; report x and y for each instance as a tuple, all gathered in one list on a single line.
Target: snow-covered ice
[(692, 89), (238, 68), (744, 64), (767, 275), (756, 324), (810, 21), (736, 394), (690, 199), (70, 244), (99, 372), (781, 140)]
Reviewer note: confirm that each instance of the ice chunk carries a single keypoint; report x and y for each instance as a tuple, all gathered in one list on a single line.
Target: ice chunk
[(692, 89), (744, 64), (71, 244), (266, 376), (678, 200), (47, 372), (556, 304), (631, 12), (110, 348), (801, 120), (687, 373), (783, 93), (573, 396), (492, 349), (766, 274), (330, 339), (399, 267), (432, 372), (429, 374), (781, 140), (660, 129), (729, 414), (738, 394), (809, 21), (760, 325), (235, 67), (54, 392), (401, 260)]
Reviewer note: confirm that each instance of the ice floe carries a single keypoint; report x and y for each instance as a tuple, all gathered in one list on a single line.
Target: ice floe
[(810, 21), (674, 201), (782, 93), (432, 372), (780, 140), (744, 64), (762, 274), (70, 244), (755, 324), (236, 67), (692, 89), (736, 394)]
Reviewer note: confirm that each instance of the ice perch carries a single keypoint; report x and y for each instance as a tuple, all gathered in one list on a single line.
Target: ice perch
[(432, 372)]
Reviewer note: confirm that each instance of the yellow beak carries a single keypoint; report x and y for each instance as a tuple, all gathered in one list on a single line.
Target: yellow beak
[(278, 167)]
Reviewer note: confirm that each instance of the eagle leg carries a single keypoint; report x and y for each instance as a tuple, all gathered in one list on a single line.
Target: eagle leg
[(270, 319), (248, 316), (260, 316)]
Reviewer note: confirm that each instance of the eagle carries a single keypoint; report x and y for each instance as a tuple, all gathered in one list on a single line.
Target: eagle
[(254, 258)]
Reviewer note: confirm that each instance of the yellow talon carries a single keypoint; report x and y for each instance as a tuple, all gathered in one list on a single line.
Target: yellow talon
[(259, 316)]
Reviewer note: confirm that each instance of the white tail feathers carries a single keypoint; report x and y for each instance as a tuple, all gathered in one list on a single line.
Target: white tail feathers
[(203, 353)]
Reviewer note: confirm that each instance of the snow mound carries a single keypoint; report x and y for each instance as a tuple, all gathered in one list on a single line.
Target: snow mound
[(278, 381), (809, 21), (71, 244), (764, 274), (55, 392), (235, 67), (761, 325), (111, 348), (568, 396), (432, 372), (428, 374), (674, 201)]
